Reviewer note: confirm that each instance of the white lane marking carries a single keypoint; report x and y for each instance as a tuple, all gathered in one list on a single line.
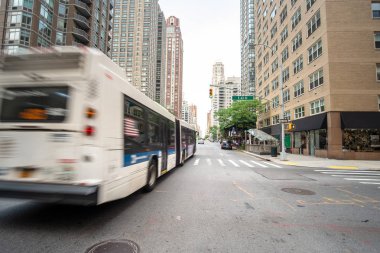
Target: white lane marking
[(369, 183), (261, 165), (196, 162), (364, 179), (358, 176), (208, 161), (245, 163), (352, 173), (221, 163), (233, 163), (271, 164)]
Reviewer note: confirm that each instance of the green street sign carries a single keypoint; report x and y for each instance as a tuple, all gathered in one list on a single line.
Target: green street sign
[(235, 98)]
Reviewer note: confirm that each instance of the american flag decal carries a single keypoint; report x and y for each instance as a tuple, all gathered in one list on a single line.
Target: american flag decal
[(130, 127)]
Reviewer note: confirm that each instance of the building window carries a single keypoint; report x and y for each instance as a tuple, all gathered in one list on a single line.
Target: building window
[(293, 2), (315, 51), (285, 75), (378, 72), (275, 102), (287, 115), (377, 40), (266, 91), (316, 79), (266, 75), (298, 65), (283, 14), (275, 65), (267, 122), (309, 3), (13, 34), (273, 14), (267, 107), (313, 23), (275, 83), (299, 112), (375, 10), (284, 55), (274, 48), (378, 101), (284, 34), (273, 30), (286, 96), (297, 41), (299, 89), (317, 106), (296, 18), (276, 119)]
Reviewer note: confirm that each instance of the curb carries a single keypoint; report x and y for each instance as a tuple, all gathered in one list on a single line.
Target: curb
[(257, 156)]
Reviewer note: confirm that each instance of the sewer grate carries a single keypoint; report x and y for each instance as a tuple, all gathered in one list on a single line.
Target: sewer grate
[(298, 191), (115, 246)]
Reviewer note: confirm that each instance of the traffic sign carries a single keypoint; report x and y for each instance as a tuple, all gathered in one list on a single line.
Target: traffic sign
[(284, 121), (235, 98)]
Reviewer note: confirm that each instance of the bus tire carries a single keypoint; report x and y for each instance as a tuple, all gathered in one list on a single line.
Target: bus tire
[(152, 177)]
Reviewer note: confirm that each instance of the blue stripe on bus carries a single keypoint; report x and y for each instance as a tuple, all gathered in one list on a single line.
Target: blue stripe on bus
[(132, 159), (171, 151)]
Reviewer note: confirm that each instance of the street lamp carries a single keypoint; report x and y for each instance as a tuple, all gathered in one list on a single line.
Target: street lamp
[(282, 120)]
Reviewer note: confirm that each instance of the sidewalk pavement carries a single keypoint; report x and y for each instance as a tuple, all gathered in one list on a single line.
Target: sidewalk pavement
[(317, 162)]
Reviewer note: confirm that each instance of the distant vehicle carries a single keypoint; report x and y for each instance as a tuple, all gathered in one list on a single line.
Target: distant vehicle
[(226, 145), (201, 141), (74, 130)]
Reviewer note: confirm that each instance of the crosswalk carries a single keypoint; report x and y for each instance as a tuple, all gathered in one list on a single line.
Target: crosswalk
[(234, 163), (366, 177)]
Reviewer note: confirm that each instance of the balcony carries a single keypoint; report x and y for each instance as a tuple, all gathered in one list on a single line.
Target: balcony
[(81, 21), (81, 35), (82, 8)]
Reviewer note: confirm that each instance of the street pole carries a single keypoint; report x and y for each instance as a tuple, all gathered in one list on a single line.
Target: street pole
[(283, 153)]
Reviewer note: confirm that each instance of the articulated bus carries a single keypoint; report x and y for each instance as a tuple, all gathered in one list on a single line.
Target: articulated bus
[(73, 130)]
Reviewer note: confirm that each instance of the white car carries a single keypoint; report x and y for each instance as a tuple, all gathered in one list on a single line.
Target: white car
[(201, 141)]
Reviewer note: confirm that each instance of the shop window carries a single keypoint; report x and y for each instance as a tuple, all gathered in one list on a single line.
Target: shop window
[(361, 140)]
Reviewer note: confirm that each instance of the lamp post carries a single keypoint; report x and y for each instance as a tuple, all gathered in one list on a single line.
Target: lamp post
[(282, 153)]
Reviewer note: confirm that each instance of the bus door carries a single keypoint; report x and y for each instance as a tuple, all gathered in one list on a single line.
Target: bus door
[(164, 148)]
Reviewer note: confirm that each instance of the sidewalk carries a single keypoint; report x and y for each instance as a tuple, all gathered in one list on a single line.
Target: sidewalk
[(316, 162)]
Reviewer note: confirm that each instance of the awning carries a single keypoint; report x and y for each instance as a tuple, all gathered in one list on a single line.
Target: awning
[(315, 122), (360, 120), (260, 135)]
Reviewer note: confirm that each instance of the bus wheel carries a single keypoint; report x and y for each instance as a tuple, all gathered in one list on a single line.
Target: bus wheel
[(152, 177)]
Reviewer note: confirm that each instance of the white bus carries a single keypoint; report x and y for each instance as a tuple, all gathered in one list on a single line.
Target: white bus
[(73, 130)]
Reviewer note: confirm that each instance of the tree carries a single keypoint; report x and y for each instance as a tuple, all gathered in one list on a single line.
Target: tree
[(241, 115), (214, 132)]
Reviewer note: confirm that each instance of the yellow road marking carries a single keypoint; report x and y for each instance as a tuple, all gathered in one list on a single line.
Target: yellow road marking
[(242, 189), (343, 167), (290, 163)]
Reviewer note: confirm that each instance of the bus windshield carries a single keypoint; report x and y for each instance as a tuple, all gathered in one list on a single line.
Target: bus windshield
[(34, 104)]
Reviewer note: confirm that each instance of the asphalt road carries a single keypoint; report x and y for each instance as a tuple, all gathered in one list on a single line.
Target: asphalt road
[(219, 201)]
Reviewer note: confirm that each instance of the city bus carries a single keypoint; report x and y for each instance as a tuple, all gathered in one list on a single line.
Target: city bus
[(74, 130)]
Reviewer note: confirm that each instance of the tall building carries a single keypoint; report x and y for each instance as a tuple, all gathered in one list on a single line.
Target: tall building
[(193, 115), (174, 66), (161, 58), (331, 73), (218, 79), (185, 111), (247, 41), (231, 87), (33, 23), (135, 35)]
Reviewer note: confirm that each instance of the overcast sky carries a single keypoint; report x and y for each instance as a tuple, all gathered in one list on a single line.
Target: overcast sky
[(210, 32)]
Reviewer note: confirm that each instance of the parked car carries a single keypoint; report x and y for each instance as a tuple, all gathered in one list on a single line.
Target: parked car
[(201, 141), (226, 145)]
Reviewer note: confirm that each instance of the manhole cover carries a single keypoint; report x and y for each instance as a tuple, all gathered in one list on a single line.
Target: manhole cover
[(115, 246), (298, 191)]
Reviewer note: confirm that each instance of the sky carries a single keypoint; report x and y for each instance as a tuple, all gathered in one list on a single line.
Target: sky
[(210, 32)]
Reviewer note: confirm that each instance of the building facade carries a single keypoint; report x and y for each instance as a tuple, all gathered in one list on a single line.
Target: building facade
[(330, 57), (230, 88), (193, 112), (161, 58), (185, 111), (218, 80), (45, 23), (134, 48), (247, 41), (174, 66)]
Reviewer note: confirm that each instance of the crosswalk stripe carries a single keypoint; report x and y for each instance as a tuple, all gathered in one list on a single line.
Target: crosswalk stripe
[(364, 179), (369, 183), (221, 163), (196, 162), (245, 163), (357, 176), (261, 165), (233, 163), (271, 164), (208, 161)]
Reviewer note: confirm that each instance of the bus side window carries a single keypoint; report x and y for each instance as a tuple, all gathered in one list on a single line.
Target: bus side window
[(134, 125)]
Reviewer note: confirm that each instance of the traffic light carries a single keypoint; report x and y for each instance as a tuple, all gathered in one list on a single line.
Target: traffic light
[(210, 92), (290, 127)]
